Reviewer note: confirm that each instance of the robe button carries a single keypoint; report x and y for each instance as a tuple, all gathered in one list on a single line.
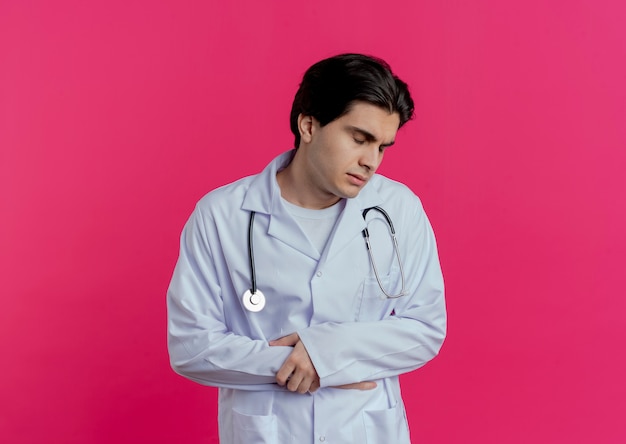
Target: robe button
[(322, 438), (319, 274)]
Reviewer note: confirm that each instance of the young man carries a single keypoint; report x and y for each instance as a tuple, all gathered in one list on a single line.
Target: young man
[(278, 300)]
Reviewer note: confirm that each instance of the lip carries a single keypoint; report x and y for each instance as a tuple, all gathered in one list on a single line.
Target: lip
[(357, 179)]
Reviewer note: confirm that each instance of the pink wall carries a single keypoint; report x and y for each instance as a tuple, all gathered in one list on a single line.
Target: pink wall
[(116, 116)]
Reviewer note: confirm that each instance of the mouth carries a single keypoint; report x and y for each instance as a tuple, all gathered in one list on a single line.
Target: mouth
[(357, 179)]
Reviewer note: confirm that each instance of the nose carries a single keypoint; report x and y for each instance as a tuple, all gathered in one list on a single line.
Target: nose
[(371, 158)]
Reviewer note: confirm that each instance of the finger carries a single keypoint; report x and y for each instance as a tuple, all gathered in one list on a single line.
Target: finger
[(365, 385), (284, 373), (304, 387), (286, 341), (307, 384), (296, 383), (314, 386), (302, 381)]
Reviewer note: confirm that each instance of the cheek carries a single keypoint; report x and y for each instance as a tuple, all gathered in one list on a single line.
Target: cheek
[(380, 159)]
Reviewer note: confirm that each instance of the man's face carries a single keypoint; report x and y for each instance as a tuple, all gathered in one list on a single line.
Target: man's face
[(343, 155)]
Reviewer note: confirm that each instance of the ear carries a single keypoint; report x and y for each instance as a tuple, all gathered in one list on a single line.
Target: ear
[(305, 127)]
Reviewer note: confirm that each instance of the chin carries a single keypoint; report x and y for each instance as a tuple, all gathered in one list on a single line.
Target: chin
[(350, 194)]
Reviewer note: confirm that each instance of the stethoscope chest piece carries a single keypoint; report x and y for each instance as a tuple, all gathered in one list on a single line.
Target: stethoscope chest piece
[(253, 302)]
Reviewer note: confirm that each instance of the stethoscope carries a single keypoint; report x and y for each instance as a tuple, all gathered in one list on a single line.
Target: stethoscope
[(254, 300)]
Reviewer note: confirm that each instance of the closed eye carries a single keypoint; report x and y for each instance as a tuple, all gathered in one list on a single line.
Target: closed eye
[(361, 137)]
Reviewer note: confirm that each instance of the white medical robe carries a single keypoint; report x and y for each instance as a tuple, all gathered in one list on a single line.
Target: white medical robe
[(351, 331)]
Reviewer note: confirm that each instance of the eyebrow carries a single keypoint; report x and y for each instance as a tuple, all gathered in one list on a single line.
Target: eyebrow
[(369, 136)]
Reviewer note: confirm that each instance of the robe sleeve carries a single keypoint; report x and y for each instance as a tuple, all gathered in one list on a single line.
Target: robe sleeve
[(350, 352), (200, 345)]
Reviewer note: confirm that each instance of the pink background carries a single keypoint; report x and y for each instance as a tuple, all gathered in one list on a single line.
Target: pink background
[(117, 116)]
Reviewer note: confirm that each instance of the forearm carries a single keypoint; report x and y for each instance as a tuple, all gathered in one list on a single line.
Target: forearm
[(201, 345), (390, 345), (344, 353), (203, 370), (202, 350)]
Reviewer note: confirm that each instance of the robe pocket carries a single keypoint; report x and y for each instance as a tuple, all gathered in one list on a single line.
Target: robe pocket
[(386, 426), (374, 305), (254, 429)]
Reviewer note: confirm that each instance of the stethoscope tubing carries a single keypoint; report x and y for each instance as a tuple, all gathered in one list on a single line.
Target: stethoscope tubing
[(257, 306), (251, 253), (366, 236)]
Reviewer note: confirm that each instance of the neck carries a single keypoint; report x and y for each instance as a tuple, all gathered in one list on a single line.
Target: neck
[(295, 188)]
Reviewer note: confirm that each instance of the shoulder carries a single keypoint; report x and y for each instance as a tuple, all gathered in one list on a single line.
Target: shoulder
[(226, 198), (402, 204), (395, 193)]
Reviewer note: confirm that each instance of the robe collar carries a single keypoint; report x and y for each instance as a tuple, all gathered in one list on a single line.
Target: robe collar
[(263, 197)]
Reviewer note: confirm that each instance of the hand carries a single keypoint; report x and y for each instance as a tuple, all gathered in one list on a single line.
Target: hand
[(286, 341), (365, 385), (284, 373), (297, 372)]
